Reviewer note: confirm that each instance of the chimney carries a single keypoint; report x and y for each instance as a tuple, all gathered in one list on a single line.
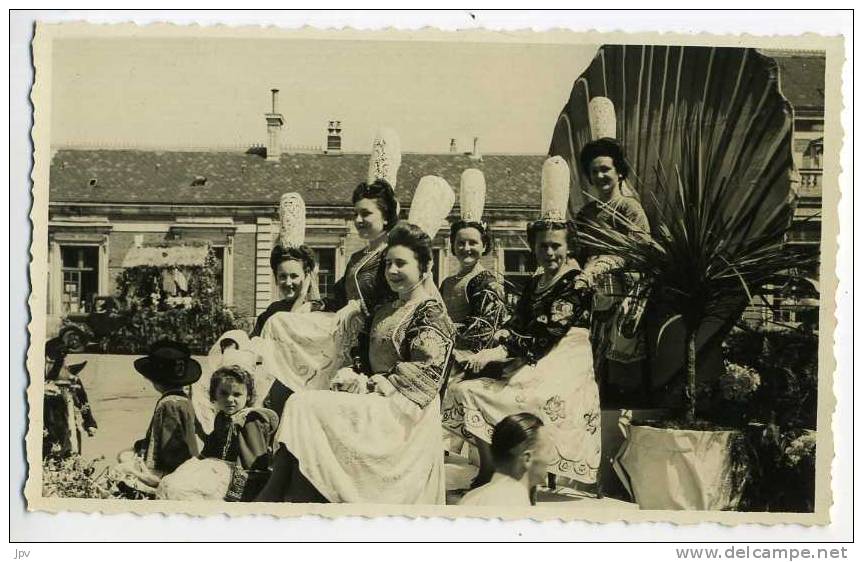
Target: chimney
[(334, 137), (275, 121), (453, 148), (475, 155)]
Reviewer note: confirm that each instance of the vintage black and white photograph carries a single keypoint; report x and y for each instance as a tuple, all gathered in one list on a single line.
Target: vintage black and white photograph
[(449, 274)]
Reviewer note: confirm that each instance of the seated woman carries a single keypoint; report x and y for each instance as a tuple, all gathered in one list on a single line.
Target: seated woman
[(375, 438), (474, 296), (294, 268), (295, 271), (618, 339), (304, 351), (234, 462), (549, 337)]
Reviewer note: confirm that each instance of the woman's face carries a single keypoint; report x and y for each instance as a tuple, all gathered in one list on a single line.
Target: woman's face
[(604, 177), (402, 268), (290, 276), (231, 396), (368, 219), (551, 249), (468, 246)]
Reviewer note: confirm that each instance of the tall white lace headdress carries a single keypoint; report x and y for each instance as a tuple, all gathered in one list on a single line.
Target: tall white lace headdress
[(472, 195)]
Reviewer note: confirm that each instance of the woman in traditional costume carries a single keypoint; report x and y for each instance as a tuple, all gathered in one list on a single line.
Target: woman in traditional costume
[(304, 350), (474, 296), (294, 268), (375, 436), (293, 264), (66, 413), (547, 343), (619, 304)]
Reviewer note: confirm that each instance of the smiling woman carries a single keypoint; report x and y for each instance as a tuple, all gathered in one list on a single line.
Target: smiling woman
[(374, 437), (544, 354)]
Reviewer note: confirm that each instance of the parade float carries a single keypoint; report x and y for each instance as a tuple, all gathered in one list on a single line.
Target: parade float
[(707, 135)]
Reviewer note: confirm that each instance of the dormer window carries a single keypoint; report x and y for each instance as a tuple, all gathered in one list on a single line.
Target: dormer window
[(199, 181)]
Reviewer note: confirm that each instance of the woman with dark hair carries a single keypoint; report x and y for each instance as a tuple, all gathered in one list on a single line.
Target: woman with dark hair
[(375, 213), (616, 337), (293, 268), (474, 296), (374, 437), (304, 351), (521, 451), (545, 348), (66, 411)]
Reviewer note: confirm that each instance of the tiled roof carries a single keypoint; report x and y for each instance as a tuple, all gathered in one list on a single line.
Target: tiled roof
[(138, 176), (801, 79)]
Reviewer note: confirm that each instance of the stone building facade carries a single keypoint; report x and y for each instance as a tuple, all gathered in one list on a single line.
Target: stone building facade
[(104, 202)]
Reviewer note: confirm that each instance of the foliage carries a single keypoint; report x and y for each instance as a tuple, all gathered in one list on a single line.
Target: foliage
[(74, 477), (706, 258), (197, 318), (198, 326)]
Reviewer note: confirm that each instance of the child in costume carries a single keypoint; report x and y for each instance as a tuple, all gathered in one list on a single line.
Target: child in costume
[(67, 412), (234, 462), (170, 439)]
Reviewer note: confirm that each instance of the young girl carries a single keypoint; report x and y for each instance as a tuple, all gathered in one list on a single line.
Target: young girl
[(235, 459)]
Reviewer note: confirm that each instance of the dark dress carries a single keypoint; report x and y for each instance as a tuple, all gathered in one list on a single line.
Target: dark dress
[(66, 412), (554, 379), (363, 280), (244, 440), (476, 303), (613, 285), (170, 439)]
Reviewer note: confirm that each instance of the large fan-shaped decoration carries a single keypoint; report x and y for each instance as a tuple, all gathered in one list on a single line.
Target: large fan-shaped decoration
[(708, 137), (660, 93)]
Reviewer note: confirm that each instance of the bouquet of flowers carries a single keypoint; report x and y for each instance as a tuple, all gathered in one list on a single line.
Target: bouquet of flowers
[(75, 477)]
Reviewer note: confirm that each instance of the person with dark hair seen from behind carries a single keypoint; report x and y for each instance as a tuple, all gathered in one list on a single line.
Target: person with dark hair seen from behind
[(618, 341), (521, 452), (171, 439)]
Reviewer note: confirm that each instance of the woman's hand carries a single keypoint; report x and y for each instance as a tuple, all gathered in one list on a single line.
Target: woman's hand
[(479, 360), (382, 385), (348, 380)]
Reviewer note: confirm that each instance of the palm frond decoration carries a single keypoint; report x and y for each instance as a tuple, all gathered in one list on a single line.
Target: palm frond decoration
[(708, 137), (703, 261)]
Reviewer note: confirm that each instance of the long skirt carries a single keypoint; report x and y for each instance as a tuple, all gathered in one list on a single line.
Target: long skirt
[(560, 389), (366, 448)]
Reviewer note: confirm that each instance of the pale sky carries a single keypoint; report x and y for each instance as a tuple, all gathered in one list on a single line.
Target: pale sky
[(203, 93)]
